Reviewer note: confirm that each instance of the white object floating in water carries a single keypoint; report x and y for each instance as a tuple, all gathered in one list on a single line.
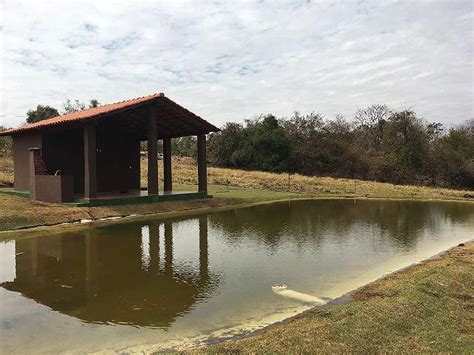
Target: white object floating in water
[(282, 290), (110, 218)]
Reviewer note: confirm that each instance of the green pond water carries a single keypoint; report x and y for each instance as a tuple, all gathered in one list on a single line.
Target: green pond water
[(161, 284)]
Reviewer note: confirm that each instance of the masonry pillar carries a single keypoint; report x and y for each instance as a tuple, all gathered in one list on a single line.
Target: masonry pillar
[(202, 163), (152, 144), (90, 162), (168, 183)]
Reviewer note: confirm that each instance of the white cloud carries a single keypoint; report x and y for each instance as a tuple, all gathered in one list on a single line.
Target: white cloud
[(233, 60)]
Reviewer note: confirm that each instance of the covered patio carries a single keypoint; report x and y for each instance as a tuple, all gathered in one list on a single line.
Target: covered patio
[(92, 157)]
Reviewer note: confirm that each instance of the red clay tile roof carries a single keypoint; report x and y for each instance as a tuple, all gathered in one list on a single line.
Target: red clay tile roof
[(106, 110)]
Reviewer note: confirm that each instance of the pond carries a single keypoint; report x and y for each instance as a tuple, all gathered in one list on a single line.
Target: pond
[(160, 284)]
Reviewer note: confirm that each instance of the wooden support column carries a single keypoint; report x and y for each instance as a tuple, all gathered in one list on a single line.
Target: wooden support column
[(152, 143), (202, 163), (90, 162), (168, 180)]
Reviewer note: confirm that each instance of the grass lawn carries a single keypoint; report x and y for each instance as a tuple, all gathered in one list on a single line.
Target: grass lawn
[(229, 187), (425, 308)]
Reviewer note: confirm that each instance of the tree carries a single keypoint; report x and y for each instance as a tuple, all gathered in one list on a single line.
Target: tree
[(70, 106), (370, 123), (372, 115), (5, 144), (455, 153), (304, 134), (184, 146), (41, 113), (73, 106), (266, 146), (261, 145), (223, 144), (94, 103)]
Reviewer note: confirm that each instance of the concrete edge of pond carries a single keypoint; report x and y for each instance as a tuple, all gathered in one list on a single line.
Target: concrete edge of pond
[(345, 298), (48, 229)]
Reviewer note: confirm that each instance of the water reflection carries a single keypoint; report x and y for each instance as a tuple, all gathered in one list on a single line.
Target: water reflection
[(114, 275), (308, 223)]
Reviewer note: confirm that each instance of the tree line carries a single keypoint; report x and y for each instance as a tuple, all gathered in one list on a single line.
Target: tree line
[(378, 144)]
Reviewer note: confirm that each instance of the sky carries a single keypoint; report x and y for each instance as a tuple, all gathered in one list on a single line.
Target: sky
[(233, 60)]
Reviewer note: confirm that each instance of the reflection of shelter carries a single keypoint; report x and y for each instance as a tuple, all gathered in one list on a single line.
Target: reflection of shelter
[(97, 279)]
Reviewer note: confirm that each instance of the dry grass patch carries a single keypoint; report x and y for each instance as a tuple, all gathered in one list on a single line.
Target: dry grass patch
[(185, 173), (6, 171)]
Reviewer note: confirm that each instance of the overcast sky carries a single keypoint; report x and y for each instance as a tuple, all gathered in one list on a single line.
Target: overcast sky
[(227, 61)]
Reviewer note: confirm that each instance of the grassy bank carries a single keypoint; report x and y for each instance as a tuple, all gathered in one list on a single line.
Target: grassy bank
[(228, 186), (19, 212), (424, 308)]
